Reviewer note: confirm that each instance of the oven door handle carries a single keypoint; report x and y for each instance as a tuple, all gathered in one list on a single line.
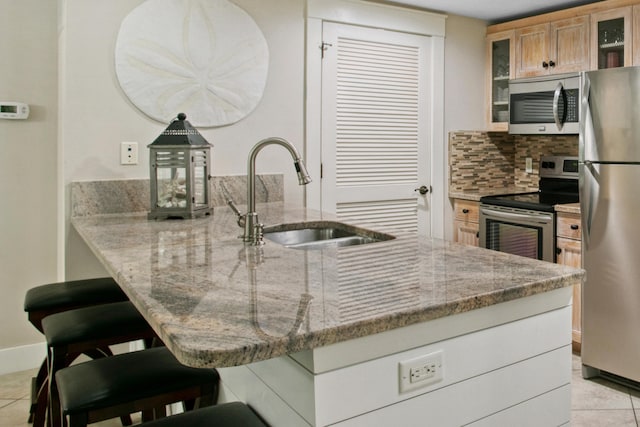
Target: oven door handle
[(542, 219)]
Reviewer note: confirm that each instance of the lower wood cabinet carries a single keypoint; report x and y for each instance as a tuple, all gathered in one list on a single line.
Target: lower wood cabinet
[(569, 252), (466, 222)]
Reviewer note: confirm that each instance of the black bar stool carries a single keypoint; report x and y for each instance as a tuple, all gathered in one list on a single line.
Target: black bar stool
[(233, 414), (51, 298), (74, 332), (145, 380)]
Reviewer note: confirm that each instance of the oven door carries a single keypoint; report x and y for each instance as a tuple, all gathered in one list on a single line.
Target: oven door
[(518, 231)]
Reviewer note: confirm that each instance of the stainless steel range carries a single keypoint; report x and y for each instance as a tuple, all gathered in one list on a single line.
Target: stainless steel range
[(525, 223)]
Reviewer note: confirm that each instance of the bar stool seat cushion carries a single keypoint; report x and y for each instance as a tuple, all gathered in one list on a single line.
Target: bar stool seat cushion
[(94, 323), (127, 377), (73, 294), (233, 414)]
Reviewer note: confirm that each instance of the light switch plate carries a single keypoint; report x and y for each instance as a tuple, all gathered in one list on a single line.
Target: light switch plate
[(528, 165), (128, 153)]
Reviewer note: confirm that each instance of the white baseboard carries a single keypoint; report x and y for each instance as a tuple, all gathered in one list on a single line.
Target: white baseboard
[(15, 359)]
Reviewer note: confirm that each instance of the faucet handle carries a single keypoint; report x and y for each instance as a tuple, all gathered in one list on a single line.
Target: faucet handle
[(234, 208)]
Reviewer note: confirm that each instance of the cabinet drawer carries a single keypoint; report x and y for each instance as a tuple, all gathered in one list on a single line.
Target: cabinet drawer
[(466, 210), (569, 226)]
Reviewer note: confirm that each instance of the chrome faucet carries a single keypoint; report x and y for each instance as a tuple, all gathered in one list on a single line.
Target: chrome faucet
[(252, 227)]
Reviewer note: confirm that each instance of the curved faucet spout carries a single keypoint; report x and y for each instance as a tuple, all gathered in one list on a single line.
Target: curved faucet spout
[(251, 234)]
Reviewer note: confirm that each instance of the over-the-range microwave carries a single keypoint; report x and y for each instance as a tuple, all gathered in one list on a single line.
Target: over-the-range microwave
[(545, 105)]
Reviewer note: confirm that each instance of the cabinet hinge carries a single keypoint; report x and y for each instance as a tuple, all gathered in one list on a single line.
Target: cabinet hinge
[(324, 46)]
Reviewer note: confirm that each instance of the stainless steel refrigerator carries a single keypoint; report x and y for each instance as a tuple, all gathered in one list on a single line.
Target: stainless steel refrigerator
[(610, 206)]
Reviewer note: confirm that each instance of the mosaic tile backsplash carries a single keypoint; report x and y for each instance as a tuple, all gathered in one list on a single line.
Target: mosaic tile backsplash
[(132, 195), (481, 161)]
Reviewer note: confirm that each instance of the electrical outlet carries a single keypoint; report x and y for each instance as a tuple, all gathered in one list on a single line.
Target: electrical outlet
[(421, 371), (128, 153), (528, 164)]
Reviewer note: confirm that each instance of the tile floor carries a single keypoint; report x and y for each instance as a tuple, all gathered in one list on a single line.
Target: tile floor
[(594, 403)]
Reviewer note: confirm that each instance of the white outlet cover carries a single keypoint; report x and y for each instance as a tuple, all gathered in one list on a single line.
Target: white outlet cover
[(405, 367)]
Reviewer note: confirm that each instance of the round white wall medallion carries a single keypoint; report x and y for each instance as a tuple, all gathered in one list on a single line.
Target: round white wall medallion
[(206, 58)]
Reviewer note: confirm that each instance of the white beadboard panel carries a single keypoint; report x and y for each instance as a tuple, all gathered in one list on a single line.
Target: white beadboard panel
[(533, 338), (496, 384), (549, 409), (385, 215), (241, 383)]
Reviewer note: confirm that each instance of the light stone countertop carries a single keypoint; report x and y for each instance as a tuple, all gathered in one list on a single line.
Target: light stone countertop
[(573, 208), (475, 195), (217, 303)]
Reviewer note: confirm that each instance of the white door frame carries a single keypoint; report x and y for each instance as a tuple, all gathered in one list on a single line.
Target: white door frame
[(390, 18)]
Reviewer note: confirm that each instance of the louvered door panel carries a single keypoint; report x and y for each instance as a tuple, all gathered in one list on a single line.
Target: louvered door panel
[(375, 121), (377, 113), (385, 215)]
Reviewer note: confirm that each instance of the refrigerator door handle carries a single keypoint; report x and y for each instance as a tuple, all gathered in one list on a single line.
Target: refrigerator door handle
[(588, 198), (556, 99)]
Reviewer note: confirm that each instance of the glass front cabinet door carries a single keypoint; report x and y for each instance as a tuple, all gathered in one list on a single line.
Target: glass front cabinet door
[(500, 61), (611, 38)]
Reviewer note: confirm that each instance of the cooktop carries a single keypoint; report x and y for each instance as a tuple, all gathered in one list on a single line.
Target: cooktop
[(558, 185)]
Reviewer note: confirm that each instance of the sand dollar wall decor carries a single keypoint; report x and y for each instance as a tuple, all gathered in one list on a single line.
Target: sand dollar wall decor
[(206, 58)]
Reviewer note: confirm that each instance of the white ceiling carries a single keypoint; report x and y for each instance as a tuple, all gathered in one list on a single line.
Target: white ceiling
[(493, 11)]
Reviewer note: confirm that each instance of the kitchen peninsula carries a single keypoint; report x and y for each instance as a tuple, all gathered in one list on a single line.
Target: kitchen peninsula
[(389, 333)]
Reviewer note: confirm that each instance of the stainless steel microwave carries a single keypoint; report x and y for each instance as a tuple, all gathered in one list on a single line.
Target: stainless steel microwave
[(545, 105)]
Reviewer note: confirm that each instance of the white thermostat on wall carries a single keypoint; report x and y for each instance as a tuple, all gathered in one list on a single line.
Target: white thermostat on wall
[(13, 110)]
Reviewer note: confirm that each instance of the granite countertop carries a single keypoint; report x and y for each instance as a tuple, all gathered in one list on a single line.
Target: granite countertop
[(475, 195), (216, 303), (573, 208)]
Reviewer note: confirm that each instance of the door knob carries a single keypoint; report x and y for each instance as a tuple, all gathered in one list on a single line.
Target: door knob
[(423, 189)]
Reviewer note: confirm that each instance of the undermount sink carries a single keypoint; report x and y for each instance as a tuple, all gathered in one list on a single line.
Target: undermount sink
[(320, 234)]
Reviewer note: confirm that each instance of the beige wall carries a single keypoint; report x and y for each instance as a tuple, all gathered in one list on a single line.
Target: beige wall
[(464, 101), (98, 116), (27, 161), (95, 116)]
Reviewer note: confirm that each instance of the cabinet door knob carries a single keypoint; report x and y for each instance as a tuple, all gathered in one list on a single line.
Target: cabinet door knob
[(465, 211), (574, 226), (552, 64), (545, 64), (558, 251)]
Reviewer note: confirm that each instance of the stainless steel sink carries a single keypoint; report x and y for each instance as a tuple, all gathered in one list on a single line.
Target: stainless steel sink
[(320, 234)]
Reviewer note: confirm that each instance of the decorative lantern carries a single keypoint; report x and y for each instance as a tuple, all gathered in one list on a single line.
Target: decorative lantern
[(179, 167)]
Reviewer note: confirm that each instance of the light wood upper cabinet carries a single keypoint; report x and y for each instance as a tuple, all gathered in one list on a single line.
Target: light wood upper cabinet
[(532, 50), (499, 57), (560, 46), (611, 38)]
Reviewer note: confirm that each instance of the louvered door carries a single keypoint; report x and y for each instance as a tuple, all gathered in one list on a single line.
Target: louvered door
[(375, 121)]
